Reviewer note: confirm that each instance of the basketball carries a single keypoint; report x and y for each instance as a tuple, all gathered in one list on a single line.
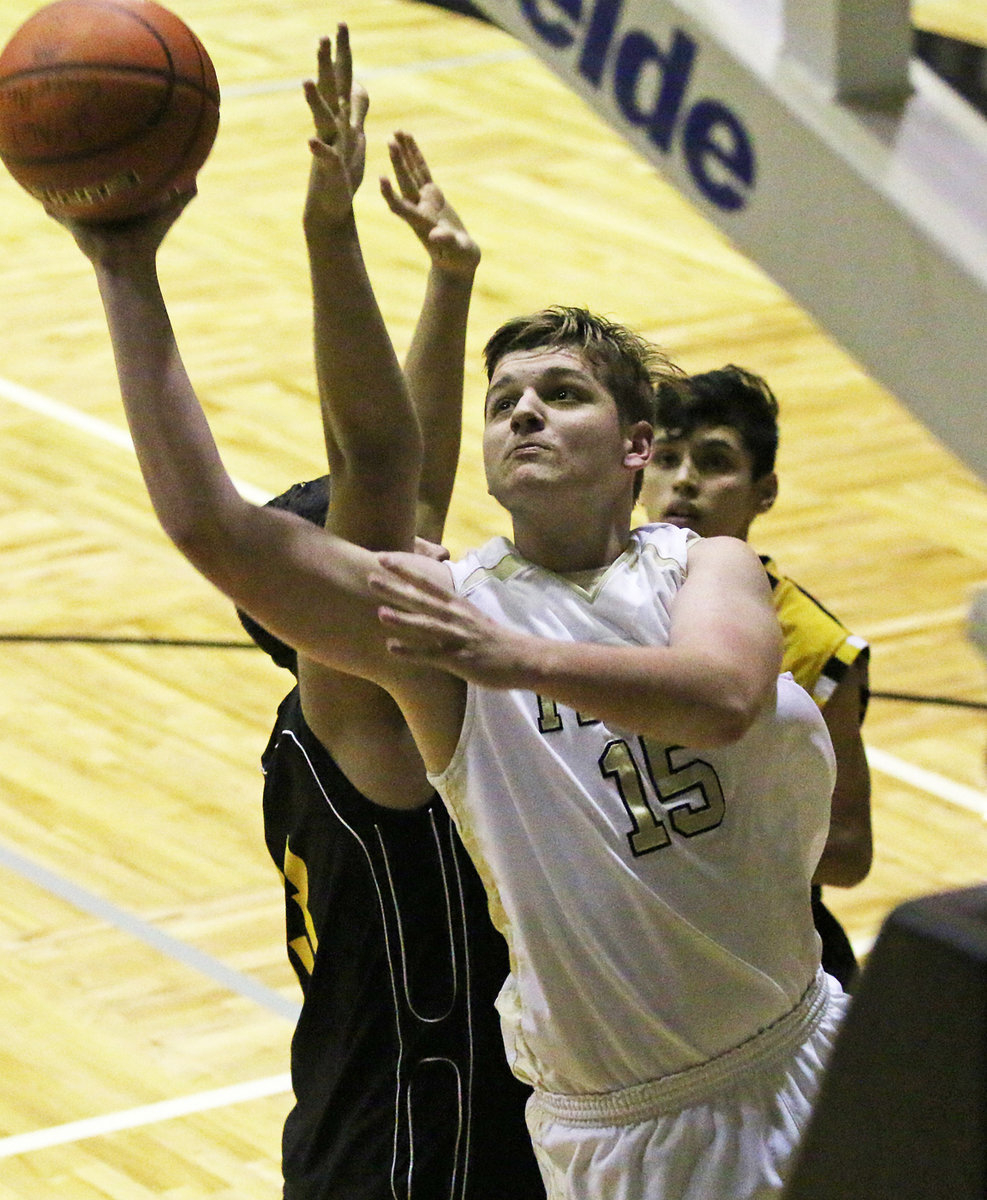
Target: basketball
[(106, 106)]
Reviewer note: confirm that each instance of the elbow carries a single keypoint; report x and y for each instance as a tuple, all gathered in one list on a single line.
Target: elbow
[(846, 861), (208, 540), (736, 708), (203, 547), (732, 722), (845, 868), (724, 720), (849, 852), (729, 697), (857, 869)]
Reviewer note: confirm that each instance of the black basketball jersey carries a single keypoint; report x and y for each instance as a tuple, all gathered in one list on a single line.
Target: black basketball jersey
[(401, 1084)]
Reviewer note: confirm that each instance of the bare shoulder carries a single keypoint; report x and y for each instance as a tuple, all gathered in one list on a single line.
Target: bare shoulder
[(727, 556)]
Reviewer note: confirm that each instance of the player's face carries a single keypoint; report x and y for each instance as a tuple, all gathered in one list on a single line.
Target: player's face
[(704, 482), (549, 420)]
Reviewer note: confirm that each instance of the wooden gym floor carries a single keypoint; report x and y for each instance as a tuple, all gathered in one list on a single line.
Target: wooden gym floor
[(145, 998)]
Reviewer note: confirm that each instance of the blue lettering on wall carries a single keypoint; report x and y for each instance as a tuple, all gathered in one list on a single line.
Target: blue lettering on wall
[(650, 83), (637, 51), (551, 31)]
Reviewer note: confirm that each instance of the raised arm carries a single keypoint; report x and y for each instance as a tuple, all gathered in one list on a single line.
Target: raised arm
[(371, 428), (433, 368), (281, 569), (198, 506), (704, 688), (373, 439)]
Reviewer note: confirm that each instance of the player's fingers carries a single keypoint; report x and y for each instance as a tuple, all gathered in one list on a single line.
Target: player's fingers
[(394, 201), (413, 593), (404, 177), (344, 61), (359, 103), (412, 162), (418, 637), (324, 119), (327, 75), (417, 165)]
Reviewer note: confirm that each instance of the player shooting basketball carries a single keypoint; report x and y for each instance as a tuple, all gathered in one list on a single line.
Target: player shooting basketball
[(599, 706)]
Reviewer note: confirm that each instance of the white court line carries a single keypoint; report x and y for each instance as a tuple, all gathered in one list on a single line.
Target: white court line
[(928, 781), (190, 956), (148, 1114), (96, 427)]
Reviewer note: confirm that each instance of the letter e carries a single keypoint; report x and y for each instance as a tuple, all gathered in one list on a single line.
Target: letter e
[(714, 138), (553, 32)]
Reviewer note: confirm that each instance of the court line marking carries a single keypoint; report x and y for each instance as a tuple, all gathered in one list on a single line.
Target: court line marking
[(115, 435), (189, 955), (928, 781), (147, 1114)]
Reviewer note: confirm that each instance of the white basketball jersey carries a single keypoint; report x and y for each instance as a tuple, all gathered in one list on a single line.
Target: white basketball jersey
[(654, 898)]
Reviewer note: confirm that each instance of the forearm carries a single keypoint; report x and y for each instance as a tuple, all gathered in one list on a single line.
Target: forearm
[(248, 552), (678, 696), (703, 688), (434, 373), (847, 857), (189, 488), (372, 435), (707, 685)]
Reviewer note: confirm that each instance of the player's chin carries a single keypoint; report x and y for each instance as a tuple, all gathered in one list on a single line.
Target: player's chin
[(516, 487)]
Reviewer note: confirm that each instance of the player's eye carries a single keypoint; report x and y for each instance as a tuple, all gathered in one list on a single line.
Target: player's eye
[(715, 463)]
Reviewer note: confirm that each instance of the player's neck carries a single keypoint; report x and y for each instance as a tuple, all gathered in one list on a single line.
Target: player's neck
[(569, 546)]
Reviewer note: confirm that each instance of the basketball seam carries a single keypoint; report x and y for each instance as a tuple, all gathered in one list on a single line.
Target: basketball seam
[(46, 70), (51, 160), (200, 85)]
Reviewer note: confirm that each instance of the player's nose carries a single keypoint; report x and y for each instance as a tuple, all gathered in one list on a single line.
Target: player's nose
[(527, 412), (685, 473)]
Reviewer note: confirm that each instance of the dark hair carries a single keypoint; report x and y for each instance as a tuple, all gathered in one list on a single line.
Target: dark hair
[(727, 396), (629, 366), (311, 501)]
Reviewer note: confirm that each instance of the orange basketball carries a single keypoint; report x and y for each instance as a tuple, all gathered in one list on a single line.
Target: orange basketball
[(105, 106)]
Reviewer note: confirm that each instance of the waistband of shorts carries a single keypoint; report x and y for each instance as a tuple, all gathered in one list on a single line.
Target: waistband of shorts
[(770, 1047)]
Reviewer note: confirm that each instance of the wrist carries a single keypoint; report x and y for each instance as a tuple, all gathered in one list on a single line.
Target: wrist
[(326, 231), (453, 277)]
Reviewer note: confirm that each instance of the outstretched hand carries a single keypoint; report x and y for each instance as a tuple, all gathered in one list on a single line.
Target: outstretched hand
[(339, 147), (431, 626), (423, 206)]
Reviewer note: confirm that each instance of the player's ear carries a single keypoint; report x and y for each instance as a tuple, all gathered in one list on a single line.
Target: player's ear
[(767, 491), (639, 441)]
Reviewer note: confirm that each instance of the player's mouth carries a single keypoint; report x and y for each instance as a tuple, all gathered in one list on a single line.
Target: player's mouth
[(526, 449), (684, 518)]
